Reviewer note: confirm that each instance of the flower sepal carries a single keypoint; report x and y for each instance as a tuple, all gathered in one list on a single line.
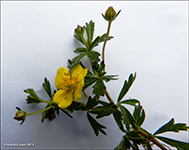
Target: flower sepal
[(20, 115), (110, 14)]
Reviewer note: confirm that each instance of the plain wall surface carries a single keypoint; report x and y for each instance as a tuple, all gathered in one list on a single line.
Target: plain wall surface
[(150, 38)]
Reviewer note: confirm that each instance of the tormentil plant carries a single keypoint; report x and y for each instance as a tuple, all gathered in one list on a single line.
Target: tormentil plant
[(72, 83)]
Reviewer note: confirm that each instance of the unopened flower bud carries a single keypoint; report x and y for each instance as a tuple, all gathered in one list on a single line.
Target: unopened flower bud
[(20, 115), (79, 30), (110, 14)]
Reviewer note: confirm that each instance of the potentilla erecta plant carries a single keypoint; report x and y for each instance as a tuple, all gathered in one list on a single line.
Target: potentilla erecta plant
[(72, 81)]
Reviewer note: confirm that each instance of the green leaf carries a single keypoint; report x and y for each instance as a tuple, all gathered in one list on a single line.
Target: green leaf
[(93, 56), (141, 118), (50, 114), (103, 37), (91, 103), (135, 137), (127, 117), (89, 80), (132, 102), (94, 43), (66, 112), (126, 86), (103, 111), (95, 125), (123, 145), (174, 143), (47, 87), (98, 88), (90, 30), (32, 98), (171, 126), (118, 118), (107, 78), (78, 38), (136, 113), (81, 50), (76, 60)]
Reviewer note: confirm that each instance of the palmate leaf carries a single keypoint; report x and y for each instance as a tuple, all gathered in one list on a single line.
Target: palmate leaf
[(104, 110), (127, 117), (139, 115), (172, 127), (91, 103), (32, 98), (95, 125), (98, 88), (178, 144), (126, 86)]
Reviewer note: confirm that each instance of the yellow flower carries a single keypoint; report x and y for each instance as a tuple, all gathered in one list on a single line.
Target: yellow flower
[(69, 85)]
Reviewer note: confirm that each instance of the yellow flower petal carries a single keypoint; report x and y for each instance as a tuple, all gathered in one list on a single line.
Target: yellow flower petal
[(78, 73), (78, 92), (63, 98), (62, 75)]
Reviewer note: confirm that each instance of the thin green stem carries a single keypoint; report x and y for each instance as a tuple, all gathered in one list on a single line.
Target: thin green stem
[(48, 102), (85, 94), (103, 49), (108, 96), (39, 111)]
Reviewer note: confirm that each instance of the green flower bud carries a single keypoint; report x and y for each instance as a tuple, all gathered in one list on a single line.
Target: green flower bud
[(79, 30), (20, 115), (110, 14)]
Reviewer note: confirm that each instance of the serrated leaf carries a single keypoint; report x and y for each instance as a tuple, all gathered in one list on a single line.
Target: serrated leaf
[(90, 30), (127, 117), (76, 60), (107, 78), (171, 126), (132, 102), (174, 143), (136, 113), (50, 114), (32, 98), (103, 37), (94, 43), (93, 56), (141, 118), (102, 112), (89, 81), (98, 88), (47, 87), (91, 103), (95, 125), (81, 50), (126, 86), (118, 118), (78, 38)]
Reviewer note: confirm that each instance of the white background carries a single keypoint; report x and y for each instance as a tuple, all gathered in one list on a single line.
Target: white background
[(150, 38)]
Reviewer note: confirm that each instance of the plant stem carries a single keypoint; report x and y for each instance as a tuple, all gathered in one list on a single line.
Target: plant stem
[(39, 111), (103, 49), (151, 138), (108, 96), (85, 94), (48, 102)]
